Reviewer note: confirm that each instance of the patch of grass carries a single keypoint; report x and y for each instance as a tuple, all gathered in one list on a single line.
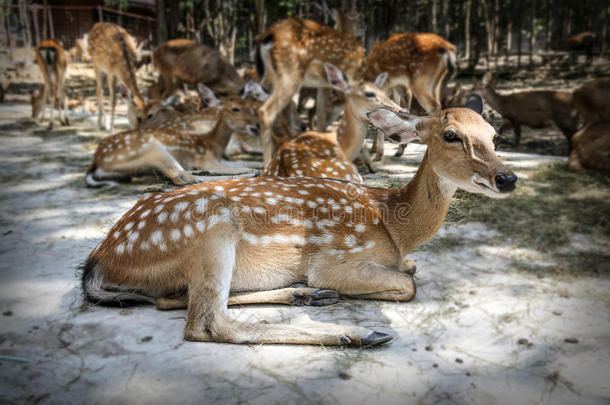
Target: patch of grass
[(544, 210)]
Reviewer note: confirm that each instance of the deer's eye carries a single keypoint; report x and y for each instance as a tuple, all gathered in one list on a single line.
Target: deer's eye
[(139, 119), (235, 109), (149, 116), (369, 94), (451, 137)]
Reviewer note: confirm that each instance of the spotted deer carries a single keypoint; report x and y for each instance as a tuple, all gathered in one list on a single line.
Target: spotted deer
[(113, 53), (249, 240), (169, 151), (319, 154), (293, 52), (53, 62)]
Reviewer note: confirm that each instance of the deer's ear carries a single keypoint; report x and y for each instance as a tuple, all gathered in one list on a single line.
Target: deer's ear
[(475, 103), (336, 78), (381, 79), (171, 100), (399, 128), (257, 91), (207, 95)]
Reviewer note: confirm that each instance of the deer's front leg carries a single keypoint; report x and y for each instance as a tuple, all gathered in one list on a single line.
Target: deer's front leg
[(368, 281)]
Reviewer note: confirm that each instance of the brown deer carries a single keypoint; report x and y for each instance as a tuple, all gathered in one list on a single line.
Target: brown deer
[(293, 52), (113, 53), (418, 62), (451, 96), (248, 240), (592, 100), (582, 42), (53, 62), (184, 61), (591, 148), (170, 151), (536, 109)]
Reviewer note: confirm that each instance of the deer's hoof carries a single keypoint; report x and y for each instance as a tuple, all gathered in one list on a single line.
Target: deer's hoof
[(315, 298), (375, 339)]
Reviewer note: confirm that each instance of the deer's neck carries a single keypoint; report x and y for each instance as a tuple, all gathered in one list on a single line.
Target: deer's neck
[(414, 213), (493, 98), (218, 138), (351, 132)]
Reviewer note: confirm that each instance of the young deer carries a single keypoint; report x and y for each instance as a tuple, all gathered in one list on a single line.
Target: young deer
[(319, 154), (113, 53), (248, 240), (536, 109), (591, 148), (293, 52), (416, 61), (169, 151), (53, 62)]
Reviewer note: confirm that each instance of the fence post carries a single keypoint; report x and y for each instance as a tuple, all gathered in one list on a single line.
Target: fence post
[(100, 13), (52, 31), (34, 11)]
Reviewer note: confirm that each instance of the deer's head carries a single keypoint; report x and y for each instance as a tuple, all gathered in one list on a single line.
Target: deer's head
[(237, 113), (460, 146), (137, 109)]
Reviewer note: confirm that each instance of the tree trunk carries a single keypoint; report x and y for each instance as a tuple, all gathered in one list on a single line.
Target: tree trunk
[(161, 21), (548, 25), (45, 19), (25, 22), (532, 32), (488, 32), (432, 20), (604, 36), (261, 15), (468, 7)]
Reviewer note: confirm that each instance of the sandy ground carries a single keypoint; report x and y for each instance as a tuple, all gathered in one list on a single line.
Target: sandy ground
[(480, 330)]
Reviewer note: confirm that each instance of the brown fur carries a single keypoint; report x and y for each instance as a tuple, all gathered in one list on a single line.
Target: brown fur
[(294, 51), (114, 53), (536, 109), (592, 100), (591, 148), (52, 61), (196, 245)]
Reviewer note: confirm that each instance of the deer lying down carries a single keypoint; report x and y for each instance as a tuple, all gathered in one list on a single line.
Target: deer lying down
[(249, 240), (536, 109), (591, 149), (170, 152), (319, 154)]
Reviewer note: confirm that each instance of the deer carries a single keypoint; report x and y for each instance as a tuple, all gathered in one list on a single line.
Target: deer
[(170, 151), (293, 52), (252, 240), (584, 41), (451, 96), (591, 101), (536, 109), (330, 155), (184, 61), (114, 54), (591, 148), (79, 51), (53, 62)]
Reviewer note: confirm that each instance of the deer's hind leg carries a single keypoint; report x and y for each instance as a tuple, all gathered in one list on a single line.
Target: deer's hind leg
[(209, 320)]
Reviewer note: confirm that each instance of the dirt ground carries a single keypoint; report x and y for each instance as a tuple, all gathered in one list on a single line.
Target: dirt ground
[(512, 303)]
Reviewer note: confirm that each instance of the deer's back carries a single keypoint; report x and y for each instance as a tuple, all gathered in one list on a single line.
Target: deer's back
[(109, 47)]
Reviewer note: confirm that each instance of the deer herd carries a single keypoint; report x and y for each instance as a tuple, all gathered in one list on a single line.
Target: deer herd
[(306, 231)]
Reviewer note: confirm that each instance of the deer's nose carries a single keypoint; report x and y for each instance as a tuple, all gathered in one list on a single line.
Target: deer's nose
[(505, 182)]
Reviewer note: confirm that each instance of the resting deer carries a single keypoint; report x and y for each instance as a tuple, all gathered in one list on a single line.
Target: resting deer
[(113, 53), (320, 154), (248, 240), (169, 151), (53, 62), (451, 96), (293, 52), (536, 109), (591, 148)]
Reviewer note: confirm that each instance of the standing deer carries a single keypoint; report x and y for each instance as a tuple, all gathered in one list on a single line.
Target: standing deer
[(184, 61), (592, 100), (53, 62), (536, 109), (293, 52), (113, 53), (168, 150), (248, 240)]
